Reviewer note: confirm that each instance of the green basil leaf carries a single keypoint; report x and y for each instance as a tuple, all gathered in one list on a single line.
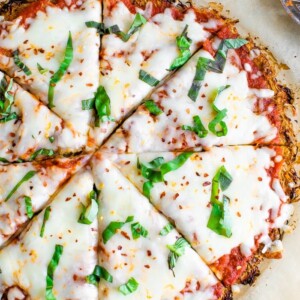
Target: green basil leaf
[(138, 230), (12, 116), (25, 178), (20, 64), (183, 44), (56, 77), (225, 178), (198, 128), (201, 69), (147, 186), (89, 213), (6, 101), (98, 273), (166, 230), (138, 22), (102, 105), (42, 152), (129, 287), (153, 108), (51, 139), (28, 206), (41, 69), (45, 219), (235, 43), (217, 92), (98, 26), (176, 163), (218, 121), (147, 78), (112, 228), (4, 160), (50, 271), (88, 104)]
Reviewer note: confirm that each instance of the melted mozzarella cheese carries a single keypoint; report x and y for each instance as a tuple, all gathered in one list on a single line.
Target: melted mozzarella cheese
[(153, 49), (44, 42), (145, 258), (24, 262), (39, 188), (141, 132), (185, 197)]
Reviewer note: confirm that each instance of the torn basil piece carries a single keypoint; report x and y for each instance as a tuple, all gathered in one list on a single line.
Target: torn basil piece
[(166, 230), (98, 273), (147, 78), (58, 251), (198, 127), (41, 152), (6, 101), (218, 122), (89, 212), (153, 108), (45, 219), (138, 230), (129, 287), (25, 178), (56, 77), (20, 64), (28, 206), (4, 160), (41, 69)]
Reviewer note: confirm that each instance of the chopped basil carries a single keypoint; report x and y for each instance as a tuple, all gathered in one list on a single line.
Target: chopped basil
[(6, 101), (12, 116), (129, 287), (176, 250), (51, 139), (45, 219), (56, 77), (50, 271), (28, 206), (98, 273), (4, 160), (25, 178), (138, 230), (89, 212), (183, 44), (42, 152), (153, 108), (147, 187), (198, 128), (147, 78), (201, 69), (219, 217), (166, 230), (99, 26), (41, 69), (101, 104), (176, 163), (20, 64), (112, 228)]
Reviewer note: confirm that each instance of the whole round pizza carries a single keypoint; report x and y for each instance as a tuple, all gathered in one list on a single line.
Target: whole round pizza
[(145, 152)]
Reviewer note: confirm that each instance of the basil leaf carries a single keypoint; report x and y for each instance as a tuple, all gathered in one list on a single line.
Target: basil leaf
[(25, 178), (89, 213), (12, 116), (138, 22), (218, 121), (201, 69), (147, 78), (129, 287), (183, 43), (98, 273), (235, 43), (50, 271), (138, 230), (147, 187), (102, 106), (28, 206), (112, 228), (88, 104), (176, 163), (166, 230), (41, 69), (45, 219), (225, 178), (176, 250), (99, 26), (56, 77), (4, 160), (153, 108), (6, 101), (51, 139), (198, 128), (43, 152), (20, 64)]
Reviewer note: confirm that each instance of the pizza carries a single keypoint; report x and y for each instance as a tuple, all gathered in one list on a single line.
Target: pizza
[(146, 152)]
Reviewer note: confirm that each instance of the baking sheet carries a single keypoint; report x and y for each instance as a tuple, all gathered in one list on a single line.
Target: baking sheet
[(267, 20)]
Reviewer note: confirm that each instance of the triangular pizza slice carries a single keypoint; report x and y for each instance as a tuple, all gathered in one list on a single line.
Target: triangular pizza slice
[(227, 202), (54, 255), (50, 51), (142, 256), (142, 43), (225, 95), (27, 187)]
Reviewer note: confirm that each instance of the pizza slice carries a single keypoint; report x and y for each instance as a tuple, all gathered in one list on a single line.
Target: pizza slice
[(220, 97), (28, 128), (57, 251), (141, 255), (230, 203), (47, 48), (142, 43), (27, 187)]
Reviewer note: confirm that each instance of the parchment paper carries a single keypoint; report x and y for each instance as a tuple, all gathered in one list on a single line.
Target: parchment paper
[(268, 20)]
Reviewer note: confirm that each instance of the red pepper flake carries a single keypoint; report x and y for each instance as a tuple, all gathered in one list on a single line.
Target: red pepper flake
[(89, 84), (206, 183), (147, 266), (176, 196), (205, 175), (125, 234), (259, 179), (149, 253), (163, 194)]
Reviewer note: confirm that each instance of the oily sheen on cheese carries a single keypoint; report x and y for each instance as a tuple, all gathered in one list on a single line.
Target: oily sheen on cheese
[(39, 188), (24, 262), (146, 258), (250, 193), (153, 49), (144, 132), (44, 42)]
